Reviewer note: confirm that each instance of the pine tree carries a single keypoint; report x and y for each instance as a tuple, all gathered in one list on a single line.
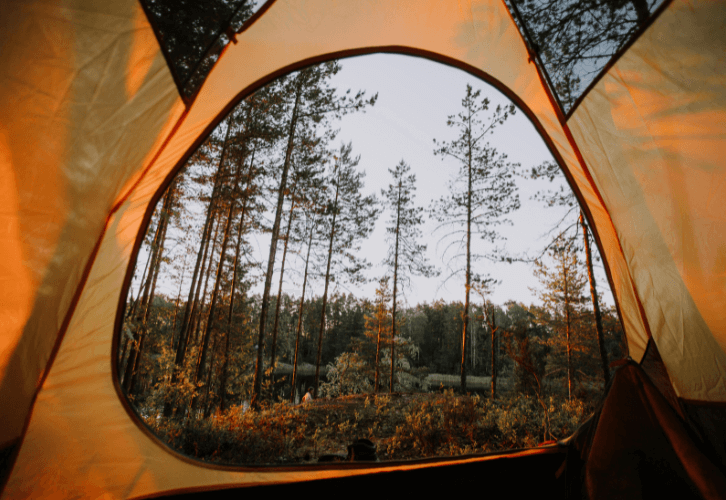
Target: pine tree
[(349, 218), (562, 295), (313, 102), (378, 328), (406, 257), (564, 197), (480, 195), (307, 171)]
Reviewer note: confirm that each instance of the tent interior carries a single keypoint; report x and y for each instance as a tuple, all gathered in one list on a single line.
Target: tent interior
[(100, 109)]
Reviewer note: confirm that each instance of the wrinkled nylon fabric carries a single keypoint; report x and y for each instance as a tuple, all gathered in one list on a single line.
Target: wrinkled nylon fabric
[(85, 93), (126, 462), (653, 131), (650, 454), (99, 449)]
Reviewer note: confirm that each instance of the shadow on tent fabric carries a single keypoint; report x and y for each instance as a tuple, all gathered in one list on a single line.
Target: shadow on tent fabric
[(636, 445)]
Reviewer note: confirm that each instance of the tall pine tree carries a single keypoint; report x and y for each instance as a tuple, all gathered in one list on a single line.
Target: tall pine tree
[(480, 195), (349, 218), (406, 257)]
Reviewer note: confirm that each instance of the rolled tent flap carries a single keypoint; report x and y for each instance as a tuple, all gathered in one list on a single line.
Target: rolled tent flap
[(114, 133)]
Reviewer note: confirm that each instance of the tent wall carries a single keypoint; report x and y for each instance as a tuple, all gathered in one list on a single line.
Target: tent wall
[(119, 140), (653, 131), (86, 100)]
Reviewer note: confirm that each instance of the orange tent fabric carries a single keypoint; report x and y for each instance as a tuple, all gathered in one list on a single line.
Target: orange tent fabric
[(92, 127)]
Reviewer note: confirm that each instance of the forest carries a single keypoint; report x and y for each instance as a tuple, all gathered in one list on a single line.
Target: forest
[(217, 368)]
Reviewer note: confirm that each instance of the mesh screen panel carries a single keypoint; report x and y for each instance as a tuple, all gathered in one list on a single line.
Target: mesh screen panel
[(193, 33), (577, 38)]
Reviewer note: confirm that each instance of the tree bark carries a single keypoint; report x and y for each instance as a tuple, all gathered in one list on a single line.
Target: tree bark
[(278, 303), (176, 305), (468, 267), (325, 293), (377, 383), (225, 368), (492, 322), (595, 302), (134, 303), (143, 313), (257, 385), (199, 299), (300, 317), (181, 347), (395, 287), (217, 282), (567, 329)]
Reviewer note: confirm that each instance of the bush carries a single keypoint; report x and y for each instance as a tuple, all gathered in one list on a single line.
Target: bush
[(403, 426)]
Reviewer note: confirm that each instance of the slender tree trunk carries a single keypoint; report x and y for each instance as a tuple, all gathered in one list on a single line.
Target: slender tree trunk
[(225, 368), (134, 303), (492, 321), (278, 305), (176, 305), (377, 384), (217, 282), (395, 287), (183, 342), (257, 385), (198, 310), (468, 270), (567, 329), (325, 294), (208, 398), (641, 9), (595, 302), (143, 313), (300, 317), (149, 303)]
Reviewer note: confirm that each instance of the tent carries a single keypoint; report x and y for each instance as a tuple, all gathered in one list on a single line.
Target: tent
[(93, 126)]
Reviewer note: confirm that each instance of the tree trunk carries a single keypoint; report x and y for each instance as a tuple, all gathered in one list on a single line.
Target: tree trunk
[(377, 384), (225, 368), (492, 321), (300, 318), (199, 299), (395, 287), (176, 305), (217, 281), (134, 304), (641, 9), (181, 347), (142, 313), (325, 294), (567, 329), (257, 385), (279, 290), (595, 302), (468, 270)]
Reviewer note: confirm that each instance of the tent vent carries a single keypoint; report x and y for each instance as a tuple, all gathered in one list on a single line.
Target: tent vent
[(192, 34), (576, 39)]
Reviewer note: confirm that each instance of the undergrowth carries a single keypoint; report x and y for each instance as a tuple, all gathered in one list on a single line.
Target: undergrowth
[(402, 426)]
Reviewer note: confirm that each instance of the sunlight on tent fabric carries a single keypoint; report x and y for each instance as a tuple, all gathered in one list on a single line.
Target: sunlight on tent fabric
[(16, 288), (74, 140), (142, 55), (654, 130), (93, 124)]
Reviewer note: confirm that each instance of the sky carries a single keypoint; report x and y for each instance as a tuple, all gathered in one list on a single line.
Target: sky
[(415, 96)]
